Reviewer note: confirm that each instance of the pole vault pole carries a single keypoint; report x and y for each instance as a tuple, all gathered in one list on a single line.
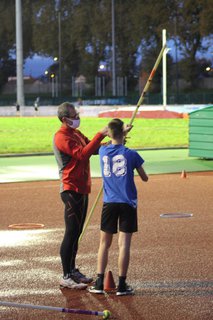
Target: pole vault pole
[(140, 101), (90, 214), (151, 76), (105, 314)]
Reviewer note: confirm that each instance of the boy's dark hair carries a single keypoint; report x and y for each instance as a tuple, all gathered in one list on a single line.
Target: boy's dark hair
[(116, 128), (63, 110)]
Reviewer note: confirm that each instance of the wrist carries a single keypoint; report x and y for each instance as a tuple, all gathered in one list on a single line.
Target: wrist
[(104, 131)]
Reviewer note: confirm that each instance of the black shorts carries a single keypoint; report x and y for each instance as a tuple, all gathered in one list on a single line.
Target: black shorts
[(126, 215)]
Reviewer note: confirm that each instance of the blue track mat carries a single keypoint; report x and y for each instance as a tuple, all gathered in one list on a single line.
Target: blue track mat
[(36, 168)]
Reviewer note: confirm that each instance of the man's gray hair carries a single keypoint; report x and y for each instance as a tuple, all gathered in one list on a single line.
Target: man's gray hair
[(63, 110)]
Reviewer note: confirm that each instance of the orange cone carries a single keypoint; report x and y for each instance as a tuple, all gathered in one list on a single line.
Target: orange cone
[(183, 174), (109, 283)]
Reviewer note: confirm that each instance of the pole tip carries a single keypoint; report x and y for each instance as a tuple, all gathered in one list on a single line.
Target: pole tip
[(107, 314)]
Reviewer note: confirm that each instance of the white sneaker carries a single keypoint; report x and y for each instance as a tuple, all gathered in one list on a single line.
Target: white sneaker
[(69, 283)]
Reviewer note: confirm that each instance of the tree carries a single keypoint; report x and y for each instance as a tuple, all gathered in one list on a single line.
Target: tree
[(7, 67), (86, 34), (153, 17), (8, 37), (187, 22), (192, 25), (206, 18)]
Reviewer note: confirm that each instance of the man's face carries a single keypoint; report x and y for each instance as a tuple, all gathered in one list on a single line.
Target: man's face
[(73, 114), (74, 120)]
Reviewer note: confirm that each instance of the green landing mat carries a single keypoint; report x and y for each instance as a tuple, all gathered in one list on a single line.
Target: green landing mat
[(43, 167)]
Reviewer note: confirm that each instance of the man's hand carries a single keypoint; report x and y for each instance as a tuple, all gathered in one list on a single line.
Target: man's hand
[(104, 131)]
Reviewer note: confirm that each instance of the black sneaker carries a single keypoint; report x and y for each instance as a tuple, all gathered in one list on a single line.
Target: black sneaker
[(98, 287), (124, 290), (79, 277)]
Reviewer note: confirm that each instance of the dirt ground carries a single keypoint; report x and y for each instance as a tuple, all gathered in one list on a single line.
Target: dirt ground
[(171, 264)]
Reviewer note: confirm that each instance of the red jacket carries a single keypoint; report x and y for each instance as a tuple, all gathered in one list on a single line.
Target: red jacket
[(72, 151)]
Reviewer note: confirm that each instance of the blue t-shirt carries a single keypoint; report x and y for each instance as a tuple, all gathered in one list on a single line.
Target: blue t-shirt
[(117, 167)]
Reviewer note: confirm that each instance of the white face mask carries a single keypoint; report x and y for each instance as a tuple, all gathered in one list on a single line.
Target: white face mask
[(74, 123)]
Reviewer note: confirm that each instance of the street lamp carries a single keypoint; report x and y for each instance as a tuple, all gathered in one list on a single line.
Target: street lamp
[(113, 51), (59, 58), (101, 67), (59, 50), (52, 76), (208, 69), (19, 54)]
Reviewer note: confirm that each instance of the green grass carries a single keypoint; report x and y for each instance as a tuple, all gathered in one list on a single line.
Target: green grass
[(35, 134)]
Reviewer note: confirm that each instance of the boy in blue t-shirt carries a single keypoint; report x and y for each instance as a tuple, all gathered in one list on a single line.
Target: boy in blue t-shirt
[(120, 202)]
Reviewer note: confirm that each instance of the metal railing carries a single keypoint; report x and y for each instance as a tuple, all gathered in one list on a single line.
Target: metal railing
[(150, 99)]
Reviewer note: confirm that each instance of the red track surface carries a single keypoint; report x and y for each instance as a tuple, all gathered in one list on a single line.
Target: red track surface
[(171, 260), (157, 114)]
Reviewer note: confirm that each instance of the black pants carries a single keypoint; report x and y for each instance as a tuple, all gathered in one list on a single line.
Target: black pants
[(74, 216)]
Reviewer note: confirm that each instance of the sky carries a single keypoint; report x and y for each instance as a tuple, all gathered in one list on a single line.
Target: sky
[(37, 66)]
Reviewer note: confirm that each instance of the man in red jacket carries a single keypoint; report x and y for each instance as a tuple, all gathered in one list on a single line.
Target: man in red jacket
[(72, 152)]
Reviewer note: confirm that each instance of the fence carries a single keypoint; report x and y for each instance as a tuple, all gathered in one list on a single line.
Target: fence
[(150, 99)]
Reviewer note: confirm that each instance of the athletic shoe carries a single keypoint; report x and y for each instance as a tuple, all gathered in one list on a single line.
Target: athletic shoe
[(79, 277), (98, 287), (124, 290), (71, 284), (95, 290)]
